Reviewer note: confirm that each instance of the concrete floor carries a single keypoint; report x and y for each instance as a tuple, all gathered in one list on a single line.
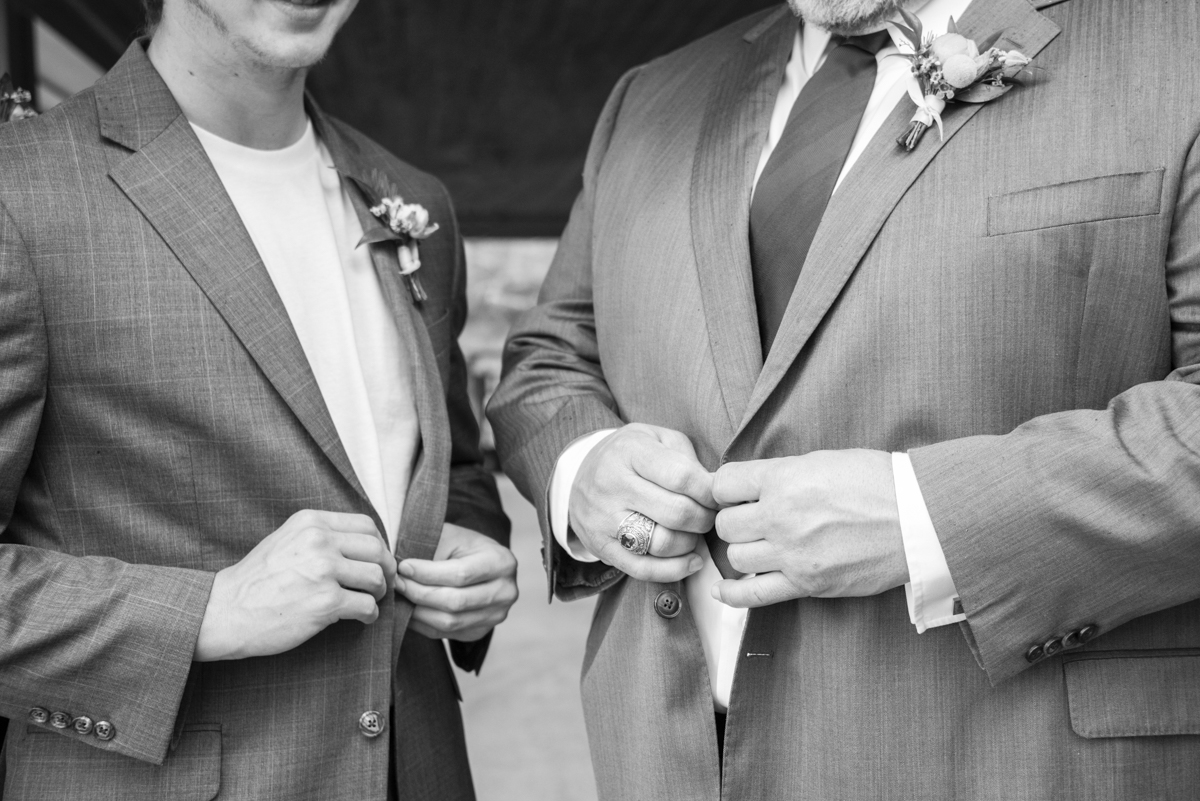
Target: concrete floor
[(523, 717)]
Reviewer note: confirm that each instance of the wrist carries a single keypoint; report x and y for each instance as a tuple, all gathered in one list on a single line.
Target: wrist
[(216, 642)]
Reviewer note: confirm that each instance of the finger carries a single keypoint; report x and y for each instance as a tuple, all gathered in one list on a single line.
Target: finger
[(668, 542), (759, 556), (678, 512), (365, 577), (500, 592), (344, 522), (742, 523), (754, 591), (676, 473), (739, 482), (369, 548), (649, 568), (676, 441), (454, 626), (461, 571), (357, 606)]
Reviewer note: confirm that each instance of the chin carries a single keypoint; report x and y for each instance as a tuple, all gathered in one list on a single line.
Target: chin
[(849, 17)]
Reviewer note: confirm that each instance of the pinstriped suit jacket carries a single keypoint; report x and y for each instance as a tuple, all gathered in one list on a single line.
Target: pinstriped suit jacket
[(1019, 305), (157, 419)]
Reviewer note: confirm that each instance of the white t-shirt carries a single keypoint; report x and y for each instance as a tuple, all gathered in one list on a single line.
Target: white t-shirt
[(305, 228)]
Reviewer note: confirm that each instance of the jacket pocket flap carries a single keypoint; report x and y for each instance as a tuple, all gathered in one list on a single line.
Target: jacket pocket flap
[(1108, 197), (1125, 694)]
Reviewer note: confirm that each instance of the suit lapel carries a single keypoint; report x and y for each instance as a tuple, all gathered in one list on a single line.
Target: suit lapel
[(171, 181), (732, 137), (873, 188), (419, 532)]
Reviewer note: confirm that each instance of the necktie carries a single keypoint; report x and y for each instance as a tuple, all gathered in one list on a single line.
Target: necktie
[(799, 178), (796, 185)]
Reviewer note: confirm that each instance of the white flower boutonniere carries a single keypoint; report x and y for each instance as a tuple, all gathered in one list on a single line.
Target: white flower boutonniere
[(952, 68), (406, 224), (15, 103)]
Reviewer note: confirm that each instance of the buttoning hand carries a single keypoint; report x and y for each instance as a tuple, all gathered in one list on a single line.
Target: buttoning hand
[(465, 591), (314, 570), (652, 470), (822, 525)]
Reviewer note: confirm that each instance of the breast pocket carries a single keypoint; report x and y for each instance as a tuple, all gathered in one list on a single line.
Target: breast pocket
[(1134, 694), (1105, 197)]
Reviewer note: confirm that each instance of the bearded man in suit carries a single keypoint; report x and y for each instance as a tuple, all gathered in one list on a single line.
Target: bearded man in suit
[(956, 385), (240, 486)]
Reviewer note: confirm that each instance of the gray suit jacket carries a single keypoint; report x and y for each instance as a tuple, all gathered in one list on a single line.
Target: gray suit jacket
[(1019, 305), (157, 419)]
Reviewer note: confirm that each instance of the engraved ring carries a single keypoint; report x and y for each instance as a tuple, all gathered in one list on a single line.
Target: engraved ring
[(635, 533)]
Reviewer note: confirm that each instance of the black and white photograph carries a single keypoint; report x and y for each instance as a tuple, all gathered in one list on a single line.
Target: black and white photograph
[(599, 400)]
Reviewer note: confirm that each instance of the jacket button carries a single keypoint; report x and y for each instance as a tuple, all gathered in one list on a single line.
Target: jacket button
[(104, 730), (38, 715), (1035, 653), (60, 720), (1053, 646), (1088, 632), (83, 725), (668, 605), (372, 724)]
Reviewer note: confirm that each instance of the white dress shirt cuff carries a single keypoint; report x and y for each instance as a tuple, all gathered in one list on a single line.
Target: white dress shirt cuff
[(932, 597), (561, 482)]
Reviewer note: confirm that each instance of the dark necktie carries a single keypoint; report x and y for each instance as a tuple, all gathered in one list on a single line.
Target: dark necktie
[(796, 185), (799, 178)]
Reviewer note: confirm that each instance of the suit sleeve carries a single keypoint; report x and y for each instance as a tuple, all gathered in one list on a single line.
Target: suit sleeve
[(1091, 513), (86, 636), (553, 390)]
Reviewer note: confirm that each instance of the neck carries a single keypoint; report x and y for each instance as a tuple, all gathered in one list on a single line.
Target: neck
[(225, 93)]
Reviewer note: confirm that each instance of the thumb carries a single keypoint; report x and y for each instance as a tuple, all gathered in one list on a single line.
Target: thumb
[(751, 592)]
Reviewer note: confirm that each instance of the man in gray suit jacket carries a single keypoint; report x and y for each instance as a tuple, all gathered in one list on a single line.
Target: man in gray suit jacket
[(956, 385), (223, 424)]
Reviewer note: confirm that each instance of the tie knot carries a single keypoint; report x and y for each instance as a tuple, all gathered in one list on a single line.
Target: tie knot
[(869, 42)]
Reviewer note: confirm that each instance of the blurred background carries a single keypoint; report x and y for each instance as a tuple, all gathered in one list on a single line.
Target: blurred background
[(498, 99)]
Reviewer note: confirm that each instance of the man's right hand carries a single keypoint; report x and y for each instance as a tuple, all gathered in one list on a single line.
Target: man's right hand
[(316, 569), (652, 470)]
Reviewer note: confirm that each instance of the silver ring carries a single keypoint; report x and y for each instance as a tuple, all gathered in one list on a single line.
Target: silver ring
[(635, 533)]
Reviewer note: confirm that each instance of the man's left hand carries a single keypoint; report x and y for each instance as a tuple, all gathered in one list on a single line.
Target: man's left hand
[(822, 525), (465, 591)]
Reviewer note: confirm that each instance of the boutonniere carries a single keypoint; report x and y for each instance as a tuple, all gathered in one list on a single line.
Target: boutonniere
[(406, 224), (952, 68), (15, 104)]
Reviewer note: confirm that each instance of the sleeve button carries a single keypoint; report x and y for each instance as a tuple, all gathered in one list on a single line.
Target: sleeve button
[(1088, 632), (39, 716), (104, 730), (1053, 646), (60, 720), (83, 725), (1035, 653)]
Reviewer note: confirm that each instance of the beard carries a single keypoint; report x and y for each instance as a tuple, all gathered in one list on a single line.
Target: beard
[(849, 17)]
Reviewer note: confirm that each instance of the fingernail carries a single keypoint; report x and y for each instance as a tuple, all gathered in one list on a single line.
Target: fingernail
[(694, 564), (405, 569)]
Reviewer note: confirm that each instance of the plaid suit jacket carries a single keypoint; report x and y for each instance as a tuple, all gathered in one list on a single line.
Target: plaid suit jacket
[(1017, 305), (157, 419)]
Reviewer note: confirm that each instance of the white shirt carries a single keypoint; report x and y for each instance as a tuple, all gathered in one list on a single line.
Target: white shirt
[(305, 229), (930, 593)]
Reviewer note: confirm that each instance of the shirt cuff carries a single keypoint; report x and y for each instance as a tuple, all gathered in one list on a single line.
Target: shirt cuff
[(561, 482), (932, 597)]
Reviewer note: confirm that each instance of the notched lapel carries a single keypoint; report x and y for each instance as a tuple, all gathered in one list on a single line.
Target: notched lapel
[(170, 180), (419, 531), (732, 137), (872, 189)]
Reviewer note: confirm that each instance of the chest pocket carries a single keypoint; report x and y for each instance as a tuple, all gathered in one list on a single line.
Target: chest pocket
[(1106, 197)]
